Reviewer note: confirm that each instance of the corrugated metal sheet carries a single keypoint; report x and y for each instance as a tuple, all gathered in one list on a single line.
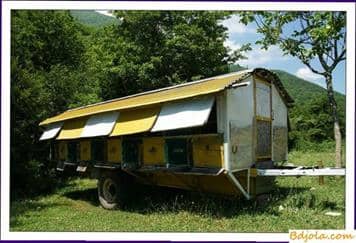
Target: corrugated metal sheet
[(183, 114), (135, 121), (187, 90), (51, 131), (72, 129), (100, 125)]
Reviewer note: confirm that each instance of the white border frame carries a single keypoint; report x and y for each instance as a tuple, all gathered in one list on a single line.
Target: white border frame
[(105, 5)]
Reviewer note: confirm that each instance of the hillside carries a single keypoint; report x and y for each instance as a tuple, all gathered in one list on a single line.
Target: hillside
[(92, 18), (236, 68), (302, 91)]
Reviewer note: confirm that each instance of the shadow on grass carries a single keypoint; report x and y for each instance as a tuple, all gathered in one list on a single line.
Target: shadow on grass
[(151, 199), (216, 206), (89, 195)]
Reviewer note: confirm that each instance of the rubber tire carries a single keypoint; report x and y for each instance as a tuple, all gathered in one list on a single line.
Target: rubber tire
[(107, 198)]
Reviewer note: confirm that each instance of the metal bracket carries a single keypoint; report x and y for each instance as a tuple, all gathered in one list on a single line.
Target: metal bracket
[(236, 182)]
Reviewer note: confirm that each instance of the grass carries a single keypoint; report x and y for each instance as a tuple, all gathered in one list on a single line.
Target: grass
[(296, 203)]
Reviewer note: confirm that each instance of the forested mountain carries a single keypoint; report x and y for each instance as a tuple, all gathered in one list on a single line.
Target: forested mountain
[(302, 90), (92, 18)]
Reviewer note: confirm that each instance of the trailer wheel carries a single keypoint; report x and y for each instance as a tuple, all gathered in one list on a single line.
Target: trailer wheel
[(109, 191)]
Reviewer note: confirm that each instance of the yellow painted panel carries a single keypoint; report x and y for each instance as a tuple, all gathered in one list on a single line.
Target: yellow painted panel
[(114, 150), (153, 151), (208, 152), (62, 150), (135, 121), (178, 92), (85, 150), (203, 183), (72, 129)]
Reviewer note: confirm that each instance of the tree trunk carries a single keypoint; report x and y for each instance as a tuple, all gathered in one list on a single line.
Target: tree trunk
[(333, 106)]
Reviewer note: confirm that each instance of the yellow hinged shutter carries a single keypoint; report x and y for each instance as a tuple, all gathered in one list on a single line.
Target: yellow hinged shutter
[(135, 121), (72, 129)]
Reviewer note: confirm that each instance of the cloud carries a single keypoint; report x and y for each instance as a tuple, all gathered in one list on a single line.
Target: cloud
[(234, 26), (257, 57), (307, 74), (232, 45), (105, 12)]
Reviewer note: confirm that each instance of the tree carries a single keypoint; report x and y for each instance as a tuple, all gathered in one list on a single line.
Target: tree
[(317, 40), (42, 38), (49, 74), (154, 49), (311, 123)]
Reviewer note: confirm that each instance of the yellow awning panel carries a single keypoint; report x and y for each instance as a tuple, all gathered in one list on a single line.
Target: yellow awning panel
[(201, 87), (135, 121), (72, 129)]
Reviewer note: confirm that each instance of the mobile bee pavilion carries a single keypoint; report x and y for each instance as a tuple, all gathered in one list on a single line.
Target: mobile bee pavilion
[(221, 135)]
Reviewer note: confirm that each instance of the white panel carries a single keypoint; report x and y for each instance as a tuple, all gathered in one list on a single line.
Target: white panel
[(263, 100), (51, 130), (221, 112), (100, 125), (280, 111), (240, 112), (279, 127), (302, 172), (183, 114)]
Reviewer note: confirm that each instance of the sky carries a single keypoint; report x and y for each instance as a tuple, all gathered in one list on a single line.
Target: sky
[(273, 58)]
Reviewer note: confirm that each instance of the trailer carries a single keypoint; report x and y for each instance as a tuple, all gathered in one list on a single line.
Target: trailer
[(222, 135)]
